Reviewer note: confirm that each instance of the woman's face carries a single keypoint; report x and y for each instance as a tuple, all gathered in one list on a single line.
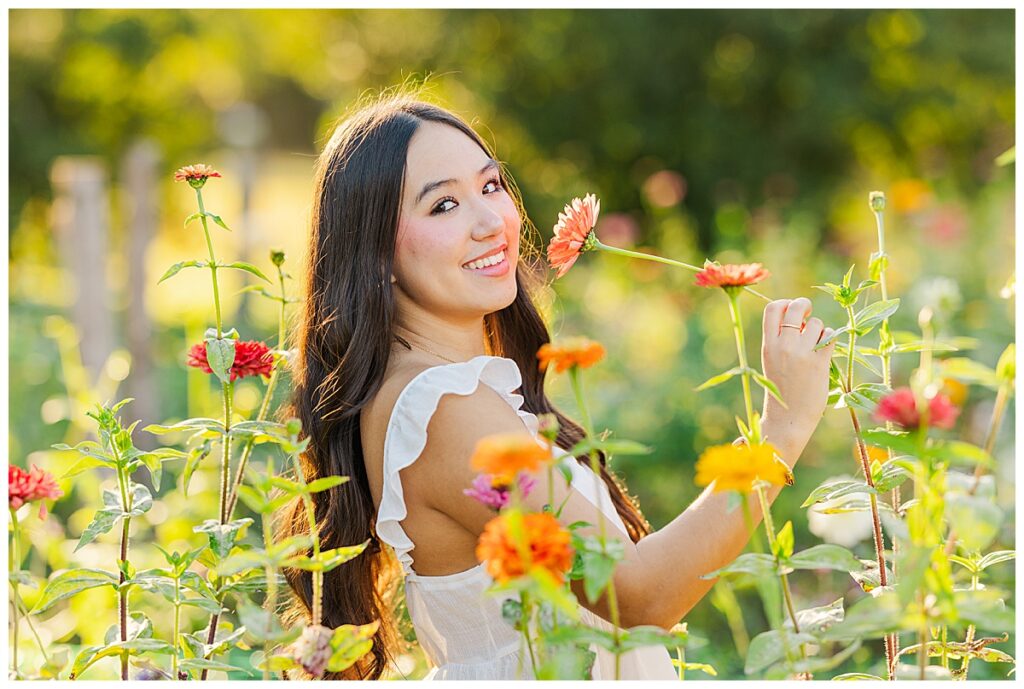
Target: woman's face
[(458, 229)]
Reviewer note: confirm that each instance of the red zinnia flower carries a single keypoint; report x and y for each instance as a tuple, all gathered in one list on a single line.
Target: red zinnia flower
[(573, 233), (195, 175), (251, 358), (731, 275), (900, 408), (28, 486)]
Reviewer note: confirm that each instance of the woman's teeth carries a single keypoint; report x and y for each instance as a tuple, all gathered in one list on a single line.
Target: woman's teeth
[(484, 262)]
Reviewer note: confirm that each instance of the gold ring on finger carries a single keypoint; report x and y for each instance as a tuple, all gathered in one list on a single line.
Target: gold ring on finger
[(790, 325)]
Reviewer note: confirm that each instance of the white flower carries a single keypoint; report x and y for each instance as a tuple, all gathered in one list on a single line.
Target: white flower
[(844, 528)]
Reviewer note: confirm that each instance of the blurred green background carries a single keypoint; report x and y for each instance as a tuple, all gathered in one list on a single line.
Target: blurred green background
[(737, 135)]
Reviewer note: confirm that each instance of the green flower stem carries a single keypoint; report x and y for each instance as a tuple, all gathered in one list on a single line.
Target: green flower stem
[(14, 563), (318, 577), (922, 651), (268, 543), (681, 657), (865, 464), (268, 395), (769, 529), (527, 617), (227, 391), (213, 260), (658, 259), (126, 505), (741, 352), (886, 358), (613, 603), (965, 663), (177, 625)]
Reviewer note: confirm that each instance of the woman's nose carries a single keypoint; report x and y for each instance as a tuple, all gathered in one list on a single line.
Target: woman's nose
[(487, 222)]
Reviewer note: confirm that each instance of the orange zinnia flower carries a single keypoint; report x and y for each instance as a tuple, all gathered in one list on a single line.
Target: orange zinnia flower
[(195, 175), (731, 275), (575, 351), (542, 543), (573, 233), (506, 454)]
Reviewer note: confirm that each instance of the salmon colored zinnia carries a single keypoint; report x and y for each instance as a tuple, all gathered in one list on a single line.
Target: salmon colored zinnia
[(731, 275), (736, 467), (545, 543), (29, 486), (195, 175), (506, 454), (574, 351), (252, 358), (573, 233)]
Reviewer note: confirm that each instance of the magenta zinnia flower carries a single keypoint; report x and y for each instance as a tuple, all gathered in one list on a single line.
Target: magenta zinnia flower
[(29, 486), (573, 232), (900, 407), (252, 358), (495, 494), (731, 275)]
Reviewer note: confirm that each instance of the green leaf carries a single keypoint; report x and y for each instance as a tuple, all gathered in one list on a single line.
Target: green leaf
[(598, 568), (103, 520), (141, 500), (970, 371), (754, 564), (203, 664), (154, 460), (782, 670), (328, 559), (825, 556), (247, 267), (22, 577), (220, 355), (322, 484), (847, 676), (824, 341), (977, 520), (890, 476), (878, 263), (815, 620), (274, 663), (870, 316), (350, 643), (870, 617), (959, 453), (622, 446), (784, 541), (832, 489), (217, 219), (898, 441), (196, 424), (247, 559), (177, 267), (222, 536), (719, 379), (650, 635), (86, 463), (995, 558), (769, 647), (967, 563), (923, 346), (769, 386), (196, 455), (89, 448)]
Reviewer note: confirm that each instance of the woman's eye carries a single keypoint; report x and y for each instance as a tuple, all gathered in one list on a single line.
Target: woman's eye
[(442, 208), (495, 183)]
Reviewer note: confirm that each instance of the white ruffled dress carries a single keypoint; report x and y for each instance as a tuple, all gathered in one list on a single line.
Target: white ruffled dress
[(458, 625)]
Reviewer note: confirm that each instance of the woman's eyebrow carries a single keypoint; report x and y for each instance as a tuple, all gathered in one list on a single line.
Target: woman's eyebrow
[(427, 188)]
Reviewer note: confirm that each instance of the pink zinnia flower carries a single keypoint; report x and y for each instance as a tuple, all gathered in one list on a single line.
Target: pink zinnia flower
[(900, 408), (195, 175), (251, 358), (495, 494), (28, 486), (573, 233), (731, 275)]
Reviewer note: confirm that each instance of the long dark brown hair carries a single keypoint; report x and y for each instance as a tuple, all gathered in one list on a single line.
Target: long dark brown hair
[(344, 339)]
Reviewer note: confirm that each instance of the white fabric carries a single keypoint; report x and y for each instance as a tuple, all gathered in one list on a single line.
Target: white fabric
[(458, 625)]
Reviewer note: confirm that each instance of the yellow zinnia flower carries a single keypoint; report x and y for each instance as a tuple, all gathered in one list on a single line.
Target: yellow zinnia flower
[(736, 467)]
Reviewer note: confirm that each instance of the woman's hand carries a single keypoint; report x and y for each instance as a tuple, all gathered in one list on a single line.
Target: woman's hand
[(789, 360)]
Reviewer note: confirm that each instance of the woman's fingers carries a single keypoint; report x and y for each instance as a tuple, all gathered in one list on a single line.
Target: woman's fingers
[(773, 316), (813, 330), (796, 313)]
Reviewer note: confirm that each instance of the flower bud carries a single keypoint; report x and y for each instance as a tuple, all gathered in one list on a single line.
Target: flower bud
[(293, 426), (313, 649), (276, 256), (547, 426), (877, 201), (1006, 369)]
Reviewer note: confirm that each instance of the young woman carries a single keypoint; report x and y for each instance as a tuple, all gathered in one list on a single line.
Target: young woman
[(419, 338)]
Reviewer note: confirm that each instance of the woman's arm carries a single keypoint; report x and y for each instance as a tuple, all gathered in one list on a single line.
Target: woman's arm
[(658, 581)]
